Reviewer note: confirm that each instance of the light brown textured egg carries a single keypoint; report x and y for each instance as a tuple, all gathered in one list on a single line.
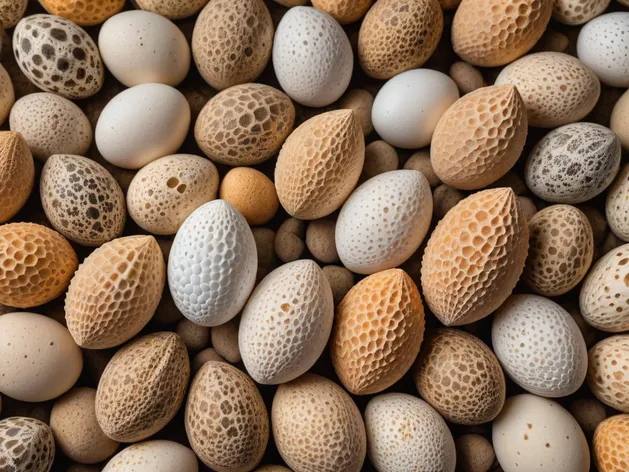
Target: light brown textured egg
[(83, 12), (225, 341), (115, 292), (619, 120), (195, 337), (475, 257), (344, 11), (474, 453), (320, 240), (360, 102), (380, 157), (617, 205), (252, 193), (420, 161), (319, 165), (589, 413), (27, 445), (341, 281), (172, 9), (467, 77), (7, 93), (607, 375), (611, 444), (11, 11), (17, 174), (577, 12), (142, 387)]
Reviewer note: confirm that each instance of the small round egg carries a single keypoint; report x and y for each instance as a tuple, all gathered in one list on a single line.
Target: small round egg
[(154, 456), (195, 337), (320, 240), (360, 102), (467, 77), (252, 193), (380, 157), (421, 161), (12, 11), (225, 341), (619, 120), (474, 453), (589, 412), (341, 281)]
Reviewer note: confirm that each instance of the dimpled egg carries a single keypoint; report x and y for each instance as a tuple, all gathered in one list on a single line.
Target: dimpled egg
[(344, 11), (58, 56), (607, 375), (83, 12), (577, 12), (617, 205), (7, 93), (27, 445), (17, 174), (154, 456), (172, 9), (611, 444)]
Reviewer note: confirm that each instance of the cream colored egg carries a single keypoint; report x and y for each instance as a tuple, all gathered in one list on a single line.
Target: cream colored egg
[(619, 120), (607, 377), (617, 205), (154, 456), (577, 12)]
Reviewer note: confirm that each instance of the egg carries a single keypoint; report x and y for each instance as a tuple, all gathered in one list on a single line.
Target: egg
[(475, 257), (320, 164), (252, 193), (12, 11), (341, 281), (603, 45), (315, 411), (405, 433), (126, 39), (380, 157), (272, 468), (320, 240), (557, 89), (204, 357), (344, 11), (611, 449), (573, 163), (539, 346), (408, 107), (312, 57), (27, 444), (578, 12), (143, 387), (360, 102), (619, 120), (474, 453), (232, 41), (141, 124), (17, 174), (479, 138), (212, 264), (399, 35), (58, 56), (83, 12), (467, 77), (225, 341), (607, 376), (166, 191), (384, 221), (7, 93), (40, 359), (245, 124), (534, 433), (154, 456), (195, 337), (616, 208), (115, 292), (172, 9)]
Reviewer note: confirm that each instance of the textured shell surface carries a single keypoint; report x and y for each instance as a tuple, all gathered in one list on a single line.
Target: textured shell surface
[(286, 323), (611, 449), (172, 9), (312, 57), (577, 12), (17, 174), (607, 375), (83, 12), (27, 444), (344, 11), (212, 264), (475, 257), (154, 456), (11, 11), (384, 221), (617, 205), (58, 56), (7, 92)]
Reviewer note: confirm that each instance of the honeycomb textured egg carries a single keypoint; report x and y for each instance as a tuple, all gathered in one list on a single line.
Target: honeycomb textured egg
[(607, 375), (83, 12), (286, 323), (378, 330), (344, 11), (27, 445), (142, 387), (460, 377), (399, 35), (212, 264), (539, 346), (172, 9), (7, 93), (11, 11), (36, 264), (617, 205), (479, 138), (115, 292), (317, 426), (611, 444), (320, 164), (17, 174), (475, 257), (577, 12), (226, 419)]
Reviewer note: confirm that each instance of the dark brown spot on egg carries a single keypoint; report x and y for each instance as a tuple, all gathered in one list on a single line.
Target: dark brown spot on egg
[(26, 45), (48, 51), (58, 34), (79, 54), (63, 64)]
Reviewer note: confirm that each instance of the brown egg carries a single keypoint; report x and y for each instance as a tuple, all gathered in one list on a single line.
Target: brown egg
[(320, 240), (7, 93), (17, 174), (27, 445), (265, 242), (474, 453), (252, 193), (445, 198), (194, 336), (172, 9), (289, 240), (225, 341), (607, 375), (203, 357), (11, 12), (467, 77), (552, 41), (344, 11), (420, 161), (380, 157), (83, 12), (360, 102), (589, 413), (341, 281), (610, 444)]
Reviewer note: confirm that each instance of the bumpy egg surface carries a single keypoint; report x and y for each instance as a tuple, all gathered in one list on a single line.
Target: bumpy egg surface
[(27, 444), (577, 12), (172, 9), (83, 12), (154, 456), (17, 174), (611, 448), (7, 93), (607, 376)]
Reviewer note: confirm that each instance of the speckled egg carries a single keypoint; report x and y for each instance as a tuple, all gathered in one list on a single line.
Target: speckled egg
[(154, 456), (172, 9), (27, 445), (578, 12), (610, 444), (7, 93), (12, 11), (607, 375), (617, 205), (83, 12), (17, 174)]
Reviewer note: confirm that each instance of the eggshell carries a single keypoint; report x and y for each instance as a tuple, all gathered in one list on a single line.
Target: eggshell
[(399, 35), (320, 240), (166, 191), (603, 45), (619, 120), (578, 12), (40, 359), (611, 448), (534, 433), (7, 93), (344, 11), (83, 12), (172, 9), (312, 57), (315, 411), (195, 337), (406, 433), (539, 346), (589, 413), (143, 387), (475, 256), (141, 124), (252, 193), (360, 102), (154, 456), (17, 174), (204, 357), (474, 453), (289, 240), (573, 163), (467, 77), (232, 41), (225, 402), (616, 206), (28, 445), (341, 281), (141, 47), (408, 107), (11, 11), (319, 165), (115, 292), (380, 157), (225, 341), (607, 375), (58, 56), (384, 221), (212, 264), (557, 89)]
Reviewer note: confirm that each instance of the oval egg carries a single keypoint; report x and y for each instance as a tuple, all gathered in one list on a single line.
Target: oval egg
[(610, 444), (84, 12), (617, 205), (607, 375), (7, 92), (619, 120), (28, 445), (344, 11), (17, 174), (154, 456)]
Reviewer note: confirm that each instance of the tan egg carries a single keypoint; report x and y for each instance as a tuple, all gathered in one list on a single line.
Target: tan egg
[(143, 387), (17, 174), (115, 292), (341, 281), (195, 337), (203, 357), (552, 41), (154, 456), (380, 157), (617, 205), (289, 241), (399, 35), (27, 445), (320, 240), (577, 12), (265, 241), (611, 444), (226, 420), (475, 257), (474, 453), (589, 413), (166, 191), (528, 207), (225, 341), (172, 9), (252, 193), (467, 77), (421, 161), (11, 12), (607, 375), (344, 11), (232, 41), (83, 12), (619, 121), (7, 93), (315, 411), (378, 329), (77, 433), (479, 138), (245, 124), (444, 199), (319, 165), (272, 468), (360, 102)]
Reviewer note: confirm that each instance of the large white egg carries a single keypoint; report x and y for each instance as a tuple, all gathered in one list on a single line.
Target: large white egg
[(408, 107)]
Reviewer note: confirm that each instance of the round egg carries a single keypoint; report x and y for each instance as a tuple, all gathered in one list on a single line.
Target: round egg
[(360, 102), (154, 456), (252, 193), (172, 9), (27, 445), (619, 120), (225, 341), (11, 11), (610, 444), (7, 92), (607, 376), (84, 12), (617, 205), (577, 12), (17, 174), (474, 453)]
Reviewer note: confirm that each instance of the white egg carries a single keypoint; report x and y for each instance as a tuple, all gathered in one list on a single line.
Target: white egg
[(212, 264), (384, 221), (312, 57), (408, 107), (141, 124), (154, 456)]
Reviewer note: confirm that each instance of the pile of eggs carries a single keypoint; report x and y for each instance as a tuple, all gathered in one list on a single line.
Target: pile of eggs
[(314, 236)]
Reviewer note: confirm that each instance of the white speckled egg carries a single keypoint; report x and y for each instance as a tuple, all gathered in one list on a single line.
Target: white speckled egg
[(312, 57), (154, 456), (212, 264), (408, 107), (384, 221), (617, 205)]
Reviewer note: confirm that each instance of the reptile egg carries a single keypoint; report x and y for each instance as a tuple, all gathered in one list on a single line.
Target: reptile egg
[(17, 174), (83, 12), (611, 447), (617, 205), (58, 56), (578, 12), (154, 456), (11, 11), (408, 107), (7, 93), (172, 9), (344, 11), (27, 445), (312, 57), (619, 120), (252, 193), (141, 124), (607, 375)]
